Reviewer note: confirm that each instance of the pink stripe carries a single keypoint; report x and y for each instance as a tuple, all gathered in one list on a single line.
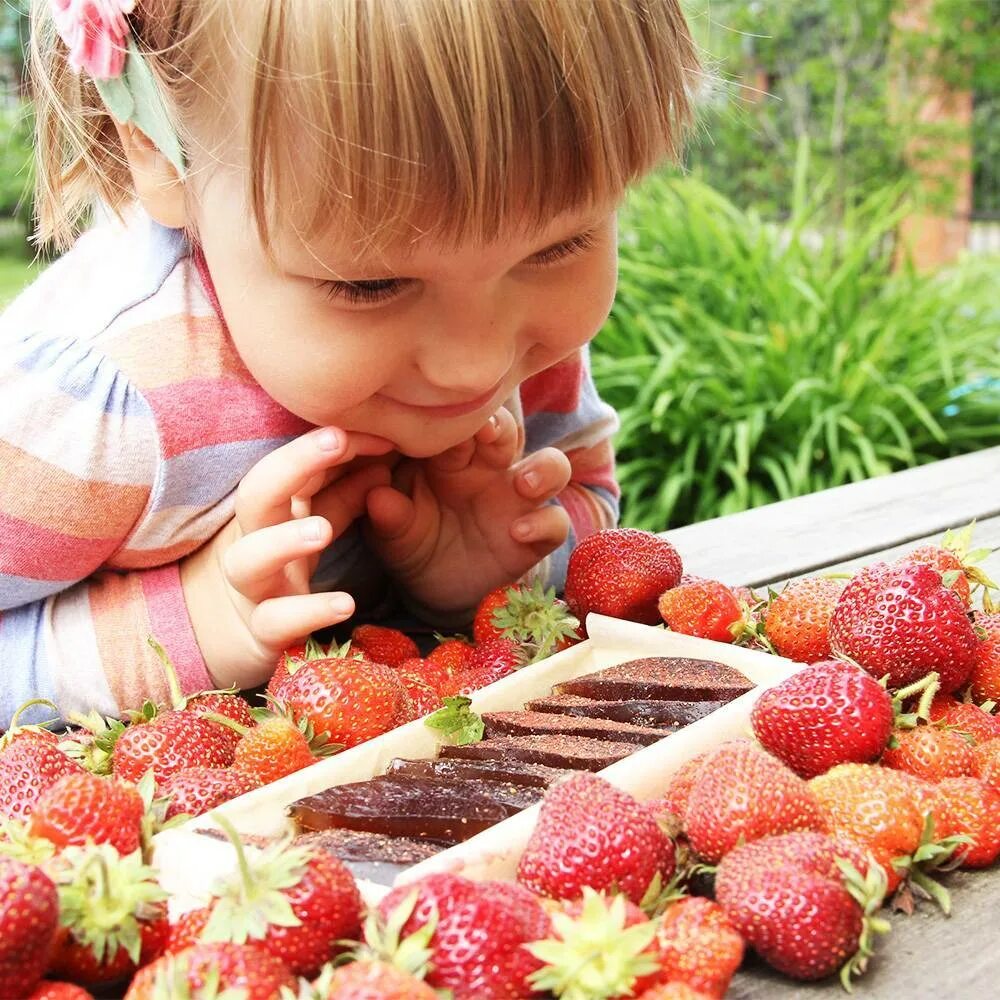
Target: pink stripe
[(41, 553), (579, 505), (603, 476), (202, 412), (168, 616), (554, 390)]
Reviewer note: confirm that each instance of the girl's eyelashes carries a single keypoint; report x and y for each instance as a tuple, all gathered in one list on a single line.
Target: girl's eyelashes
[(383, 289)]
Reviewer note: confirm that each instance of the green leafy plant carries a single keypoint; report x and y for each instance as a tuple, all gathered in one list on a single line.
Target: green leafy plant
[(751, 362)]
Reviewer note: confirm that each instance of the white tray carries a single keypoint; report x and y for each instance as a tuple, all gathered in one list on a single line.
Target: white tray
[(189, 860)]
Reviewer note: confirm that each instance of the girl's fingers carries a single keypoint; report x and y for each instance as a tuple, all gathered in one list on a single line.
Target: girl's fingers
[(542, 475), (454, 459), (544, 530), (264, 496), (344, 500), (281, 621), (390, 513), (498, 443)]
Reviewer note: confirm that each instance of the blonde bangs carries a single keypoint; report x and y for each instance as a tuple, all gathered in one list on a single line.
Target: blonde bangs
[(460, 120)]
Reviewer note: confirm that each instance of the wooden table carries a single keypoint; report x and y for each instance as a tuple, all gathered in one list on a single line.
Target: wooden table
[(927, 954)]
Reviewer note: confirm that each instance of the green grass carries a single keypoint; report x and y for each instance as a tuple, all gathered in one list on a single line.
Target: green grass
[(15, 273)]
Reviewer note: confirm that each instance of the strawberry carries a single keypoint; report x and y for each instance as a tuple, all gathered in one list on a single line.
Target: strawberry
[(788, 897), (697, 944), (955, 562), (797, 621), (83, 807), (115, 913), (344, 700), (986, 668), (168, 743), (987, 763), (964, 717), (445, 663), (383, 645), (531, 616), (298, 903), (28, 766), (673, 804), (424, 697), (196, 790), (248, 970), (49, 989), (902, 621), (674, 991), (967, 807), (224, 703), (931, 753), (598, 947), (32, 731), (483, 627), (621, 572), (291, 656), (704, 608), (370, 979), (477, 937), (276, 746), (491, 662), (29, 921), (825, 714), (743, 793), (876, 807), (590, 833)]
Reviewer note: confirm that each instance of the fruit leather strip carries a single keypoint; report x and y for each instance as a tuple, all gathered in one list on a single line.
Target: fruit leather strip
[(662, 714), (579, 753), (415, 807), (526, 723), (372, 856), (661, 678), (516, 772)]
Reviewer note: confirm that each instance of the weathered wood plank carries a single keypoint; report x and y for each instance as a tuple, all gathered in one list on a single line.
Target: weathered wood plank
[(850, 522)]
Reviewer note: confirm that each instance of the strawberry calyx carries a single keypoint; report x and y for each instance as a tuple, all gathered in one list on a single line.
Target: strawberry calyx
[(104, 897), (319, 744), (958, 543), (533, 617), (868, 891), (930, 855), (17, 842), (594, 956), (315, 651), (456, 721), (383, 940), (95, 752), (171, 983), (927, 687)]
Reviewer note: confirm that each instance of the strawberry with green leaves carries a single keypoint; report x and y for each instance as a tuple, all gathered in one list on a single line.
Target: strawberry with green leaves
[(955, 561), (621, 572), (797, 620), (931, 752), (197, 790), (275, 747), (826, 714), (491, 661), (965, 717), (367, 979), (903, 622), (29, 922), (966, 807), (704, 608), (531, 616), (590, 833), (985, 678), (28, 766), (383, 645)]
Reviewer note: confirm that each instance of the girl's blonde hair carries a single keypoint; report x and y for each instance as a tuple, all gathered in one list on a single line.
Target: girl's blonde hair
[(450, 117)]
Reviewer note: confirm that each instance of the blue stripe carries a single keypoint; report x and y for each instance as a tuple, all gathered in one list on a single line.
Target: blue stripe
[(18, 590), (27, 672)]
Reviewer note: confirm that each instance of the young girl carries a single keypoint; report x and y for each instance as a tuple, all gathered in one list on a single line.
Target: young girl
[(331, 333)]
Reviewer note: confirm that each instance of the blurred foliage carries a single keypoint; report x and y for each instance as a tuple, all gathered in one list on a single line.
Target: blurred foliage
[(752, 362)]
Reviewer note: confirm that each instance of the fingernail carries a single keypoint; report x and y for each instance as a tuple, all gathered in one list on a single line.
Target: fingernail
[(328, 439), (495, 423), (522, 530), (311, 529), (531, 479), (342, 605)]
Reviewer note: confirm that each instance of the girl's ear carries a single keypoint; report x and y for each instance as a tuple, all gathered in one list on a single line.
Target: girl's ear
[(157, 185)]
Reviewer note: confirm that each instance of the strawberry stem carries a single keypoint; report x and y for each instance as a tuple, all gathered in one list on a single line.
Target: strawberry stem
[(173, 683), (246, 877)]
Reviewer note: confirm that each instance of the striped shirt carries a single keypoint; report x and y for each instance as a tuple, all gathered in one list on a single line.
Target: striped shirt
[(127, 419)]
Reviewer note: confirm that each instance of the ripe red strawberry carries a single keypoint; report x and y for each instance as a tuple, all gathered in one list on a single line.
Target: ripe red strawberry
[(705, 608), (276, 746), (788, 898), (621, 572), (490, 662), (423, 696), (797, 621), (878, 808), (902, 621), (230, 706), (672, 806), (383, 645), (943, 561), (49, 989), (742, 793), (987, 763), (370, 979), (826, 714), (931, 753), (966, 806), (674, 991), (84, 807), (196, 790), (590, 833), (697, 944), (298, 903), (248, 970), (531, 616), (169, 743), (477, 947), (445, 663), (986, 668), (964, 717), (29, 921), (292, 655), (346, 701), (483, 627), (28, 767)]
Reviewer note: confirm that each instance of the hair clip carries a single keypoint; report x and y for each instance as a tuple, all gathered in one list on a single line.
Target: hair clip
[(100, 43)]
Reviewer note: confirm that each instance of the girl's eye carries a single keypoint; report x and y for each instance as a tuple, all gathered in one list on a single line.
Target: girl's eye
[(576, 245), (364, 292)]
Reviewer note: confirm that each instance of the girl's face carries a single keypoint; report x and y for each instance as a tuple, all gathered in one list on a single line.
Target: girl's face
[(419, 346)]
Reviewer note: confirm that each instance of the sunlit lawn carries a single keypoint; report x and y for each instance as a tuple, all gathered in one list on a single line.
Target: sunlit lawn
[(15, 273)]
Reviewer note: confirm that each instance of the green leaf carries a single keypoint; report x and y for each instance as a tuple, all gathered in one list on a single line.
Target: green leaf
[(456, 721)]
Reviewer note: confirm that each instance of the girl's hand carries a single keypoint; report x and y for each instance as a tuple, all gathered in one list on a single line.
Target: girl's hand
[(247, 590), (453, 527)]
